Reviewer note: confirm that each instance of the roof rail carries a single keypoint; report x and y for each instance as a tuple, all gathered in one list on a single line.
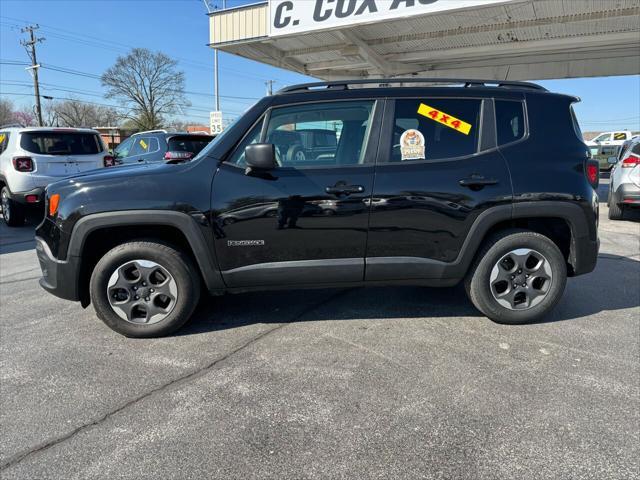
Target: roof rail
[(12, 125), (385, 82), (152, 131)]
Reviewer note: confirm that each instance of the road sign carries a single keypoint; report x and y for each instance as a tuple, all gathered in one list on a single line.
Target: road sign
[(216, 123)]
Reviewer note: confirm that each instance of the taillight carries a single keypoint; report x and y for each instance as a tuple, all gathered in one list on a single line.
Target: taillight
[(178, 155), (54, 201), (631, 161), (109, 161), (23, 164), (593, 173)]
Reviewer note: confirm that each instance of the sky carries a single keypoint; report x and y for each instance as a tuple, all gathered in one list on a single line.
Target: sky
[(84, 37)]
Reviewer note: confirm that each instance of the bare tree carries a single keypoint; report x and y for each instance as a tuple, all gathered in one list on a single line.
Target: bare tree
[(75, 113), (148, 84), (24, 117), (6, 111)]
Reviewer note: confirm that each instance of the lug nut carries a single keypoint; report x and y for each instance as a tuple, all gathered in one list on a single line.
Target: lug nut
[(146, 299), (512, 277), (151, 290), (519, 271), (137, 297), (135, 289), (144, 284)]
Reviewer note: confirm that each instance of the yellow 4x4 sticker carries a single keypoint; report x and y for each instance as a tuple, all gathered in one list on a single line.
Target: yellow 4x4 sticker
[(445, 119), (143, 144)]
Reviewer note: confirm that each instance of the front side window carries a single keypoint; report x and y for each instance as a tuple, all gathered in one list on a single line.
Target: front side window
[(122, 150), (61, 143), (509, 121), (603, 138), (320, 134), (432, 129)]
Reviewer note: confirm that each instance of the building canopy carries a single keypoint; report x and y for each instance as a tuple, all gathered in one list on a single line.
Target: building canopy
[(492, 39)]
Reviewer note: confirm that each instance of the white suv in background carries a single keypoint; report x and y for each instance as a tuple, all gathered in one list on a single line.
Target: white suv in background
[(31, 158)]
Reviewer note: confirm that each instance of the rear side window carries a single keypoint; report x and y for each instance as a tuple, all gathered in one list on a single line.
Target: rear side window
[(509, 121), (4, 141), (431, 128), (61, 143), (188, 143)]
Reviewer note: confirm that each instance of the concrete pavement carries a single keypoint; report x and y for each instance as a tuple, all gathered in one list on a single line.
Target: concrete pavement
[(378, 383)]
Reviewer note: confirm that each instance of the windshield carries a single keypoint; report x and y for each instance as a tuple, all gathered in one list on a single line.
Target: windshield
[(189, 143), (61, 143)]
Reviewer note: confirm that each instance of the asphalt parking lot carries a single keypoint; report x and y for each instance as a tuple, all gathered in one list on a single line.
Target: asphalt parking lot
[(379, 383)]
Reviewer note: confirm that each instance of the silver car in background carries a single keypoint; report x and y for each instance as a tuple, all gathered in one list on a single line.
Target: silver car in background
[(624, 186)]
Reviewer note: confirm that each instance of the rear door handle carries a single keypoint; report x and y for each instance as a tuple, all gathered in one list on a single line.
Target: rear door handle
[(477, 181), (344, 189)]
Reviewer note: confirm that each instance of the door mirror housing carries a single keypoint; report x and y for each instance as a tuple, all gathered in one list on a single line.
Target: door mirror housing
[(261, 156)]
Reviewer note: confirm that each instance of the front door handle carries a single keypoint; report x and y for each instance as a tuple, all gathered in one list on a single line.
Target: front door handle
[(339, 189), (475, 181)]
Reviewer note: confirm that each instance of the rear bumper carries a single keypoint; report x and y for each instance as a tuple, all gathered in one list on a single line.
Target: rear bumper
[(21, 197), (58, 277), (628, 194)]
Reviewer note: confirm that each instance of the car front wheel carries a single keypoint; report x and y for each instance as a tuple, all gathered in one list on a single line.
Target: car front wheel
[(518, 277), (145, 289)]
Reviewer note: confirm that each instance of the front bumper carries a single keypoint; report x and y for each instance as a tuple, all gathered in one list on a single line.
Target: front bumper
[(59, 278)]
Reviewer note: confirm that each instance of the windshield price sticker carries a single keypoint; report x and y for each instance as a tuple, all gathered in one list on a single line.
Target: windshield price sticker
[(445, 119)]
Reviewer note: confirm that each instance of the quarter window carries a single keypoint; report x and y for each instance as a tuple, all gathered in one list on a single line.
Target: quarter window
[(432, 129), (509, 121), (320, 134)]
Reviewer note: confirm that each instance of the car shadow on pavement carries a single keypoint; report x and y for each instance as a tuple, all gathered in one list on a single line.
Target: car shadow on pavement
[(583, 297)]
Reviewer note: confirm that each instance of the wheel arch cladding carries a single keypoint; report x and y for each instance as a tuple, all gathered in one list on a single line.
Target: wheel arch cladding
[(94, 235)]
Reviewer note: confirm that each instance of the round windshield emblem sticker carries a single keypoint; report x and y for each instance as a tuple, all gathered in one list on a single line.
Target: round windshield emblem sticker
[(412, 145)]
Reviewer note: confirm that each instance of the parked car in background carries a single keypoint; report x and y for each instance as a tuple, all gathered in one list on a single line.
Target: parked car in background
[(31, 158), (159, 146), (606, 145), (624, 187)]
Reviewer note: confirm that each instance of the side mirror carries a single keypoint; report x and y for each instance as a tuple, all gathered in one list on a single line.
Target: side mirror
[(261, 156), (612, 160)]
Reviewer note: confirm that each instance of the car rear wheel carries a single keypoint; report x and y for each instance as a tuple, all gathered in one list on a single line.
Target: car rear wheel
[(615, 209), (144, 289), (517, 277), (12, 212)]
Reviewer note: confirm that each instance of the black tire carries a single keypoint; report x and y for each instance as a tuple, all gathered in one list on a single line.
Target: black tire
[(296, 154), (175, 262), (478, 280), (12, 212), (616, 211)]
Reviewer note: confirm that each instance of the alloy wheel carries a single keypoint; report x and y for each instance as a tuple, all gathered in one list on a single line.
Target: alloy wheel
[(521, 279), (142, 292)]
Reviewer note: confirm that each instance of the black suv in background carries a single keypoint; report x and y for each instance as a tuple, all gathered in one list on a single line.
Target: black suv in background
[(160, 145), (428, 184)]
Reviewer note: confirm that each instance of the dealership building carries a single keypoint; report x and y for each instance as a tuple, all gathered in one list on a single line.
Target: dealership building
[(491, 39)]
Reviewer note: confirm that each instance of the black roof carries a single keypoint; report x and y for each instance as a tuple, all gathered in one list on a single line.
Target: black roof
[(407, 82)]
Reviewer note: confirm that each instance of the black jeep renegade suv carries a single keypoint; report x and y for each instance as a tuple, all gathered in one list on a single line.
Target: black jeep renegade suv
[(426, 183)]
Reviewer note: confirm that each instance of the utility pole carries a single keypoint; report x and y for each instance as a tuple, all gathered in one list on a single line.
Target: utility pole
[(30, 46), (216, 79), (269, 84)]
